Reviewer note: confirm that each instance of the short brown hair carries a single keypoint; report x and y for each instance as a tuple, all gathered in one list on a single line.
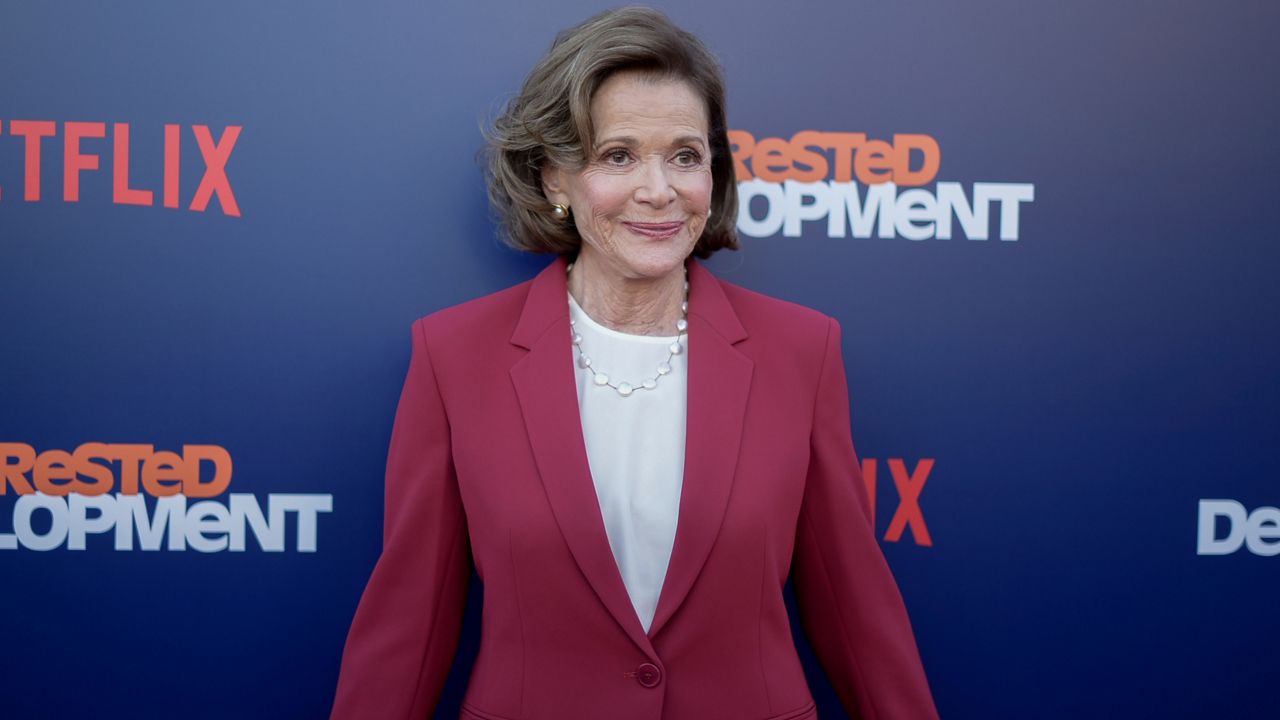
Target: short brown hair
[(550, 121)]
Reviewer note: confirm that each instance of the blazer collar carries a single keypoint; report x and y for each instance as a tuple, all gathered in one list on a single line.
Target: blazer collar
[(546, 303), (719, 382)]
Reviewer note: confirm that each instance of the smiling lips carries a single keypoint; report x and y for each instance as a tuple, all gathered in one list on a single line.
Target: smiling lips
[(656, 231)]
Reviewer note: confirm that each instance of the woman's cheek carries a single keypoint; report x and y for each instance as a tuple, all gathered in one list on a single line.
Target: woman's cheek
[(697, 227), (701, 206), (701, 189)]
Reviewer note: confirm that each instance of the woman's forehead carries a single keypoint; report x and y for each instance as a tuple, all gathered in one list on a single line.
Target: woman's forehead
[(643, 105)]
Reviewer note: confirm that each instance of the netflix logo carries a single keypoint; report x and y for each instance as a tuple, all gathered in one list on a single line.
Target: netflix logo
[(85, 144)]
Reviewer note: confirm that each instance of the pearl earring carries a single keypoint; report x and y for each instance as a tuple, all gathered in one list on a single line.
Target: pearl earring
[(560, 211)]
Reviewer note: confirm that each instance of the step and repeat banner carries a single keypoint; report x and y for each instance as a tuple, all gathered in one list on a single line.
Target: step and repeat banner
[(1048, 231)]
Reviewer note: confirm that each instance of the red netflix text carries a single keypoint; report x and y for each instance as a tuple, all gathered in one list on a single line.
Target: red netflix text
[(76, 160), (908, 485)]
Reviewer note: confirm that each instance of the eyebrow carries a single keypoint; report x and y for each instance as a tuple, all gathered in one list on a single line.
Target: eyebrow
[(629, 141)]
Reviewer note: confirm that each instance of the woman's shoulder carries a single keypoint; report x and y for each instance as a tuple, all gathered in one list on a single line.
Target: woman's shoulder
[(789, 343), (481, 325), (483, 311), (763, 314)]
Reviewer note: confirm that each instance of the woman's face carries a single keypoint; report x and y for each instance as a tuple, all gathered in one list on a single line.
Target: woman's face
[(642, 199)]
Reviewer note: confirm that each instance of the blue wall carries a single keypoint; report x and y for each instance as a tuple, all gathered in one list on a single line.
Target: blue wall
[(1078, 390)]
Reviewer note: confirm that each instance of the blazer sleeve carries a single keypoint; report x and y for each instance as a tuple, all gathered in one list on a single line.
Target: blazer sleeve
[(849, 603), (405, 632)]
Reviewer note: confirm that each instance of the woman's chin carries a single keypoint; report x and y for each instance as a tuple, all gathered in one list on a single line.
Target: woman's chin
[(655, 269), (648, 265)]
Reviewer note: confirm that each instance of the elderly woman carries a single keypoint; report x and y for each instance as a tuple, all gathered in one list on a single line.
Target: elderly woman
[(633, 455)]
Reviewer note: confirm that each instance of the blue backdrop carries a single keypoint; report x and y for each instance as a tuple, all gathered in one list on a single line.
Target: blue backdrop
[(1067, 398)]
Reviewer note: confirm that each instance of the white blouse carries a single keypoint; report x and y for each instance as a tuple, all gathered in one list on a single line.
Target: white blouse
[(635, 448)]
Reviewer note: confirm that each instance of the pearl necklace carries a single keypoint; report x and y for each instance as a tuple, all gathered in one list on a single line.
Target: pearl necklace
[(626, 389)]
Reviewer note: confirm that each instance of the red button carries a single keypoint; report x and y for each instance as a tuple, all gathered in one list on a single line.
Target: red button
[(648, 675)]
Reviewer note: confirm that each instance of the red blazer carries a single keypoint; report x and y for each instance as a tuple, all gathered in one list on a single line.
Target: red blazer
[(487, 467)]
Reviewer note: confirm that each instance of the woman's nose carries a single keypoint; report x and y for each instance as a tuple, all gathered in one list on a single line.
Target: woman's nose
[(655, 186)]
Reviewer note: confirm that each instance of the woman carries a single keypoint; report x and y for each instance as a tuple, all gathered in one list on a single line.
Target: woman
[(633, 455)]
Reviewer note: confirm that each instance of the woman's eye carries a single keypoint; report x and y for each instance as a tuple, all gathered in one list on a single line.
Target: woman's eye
[(688, 158), (616, 157)]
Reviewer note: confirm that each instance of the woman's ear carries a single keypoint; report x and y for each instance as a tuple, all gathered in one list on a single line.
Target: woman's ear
[(553, 185)]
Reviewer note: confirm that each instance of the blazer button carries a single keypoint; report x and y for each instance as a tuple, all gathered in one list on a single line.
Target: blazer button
[(648, 675)]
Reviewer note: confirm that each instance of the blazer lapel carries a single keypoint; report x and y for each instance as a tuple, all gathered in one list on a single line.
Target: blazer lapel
[(545, 385), (719, 382)]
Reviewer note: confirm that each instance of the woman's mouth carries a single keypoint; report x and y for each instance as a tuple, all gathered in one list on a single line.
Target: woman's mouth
[(654, 231)]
